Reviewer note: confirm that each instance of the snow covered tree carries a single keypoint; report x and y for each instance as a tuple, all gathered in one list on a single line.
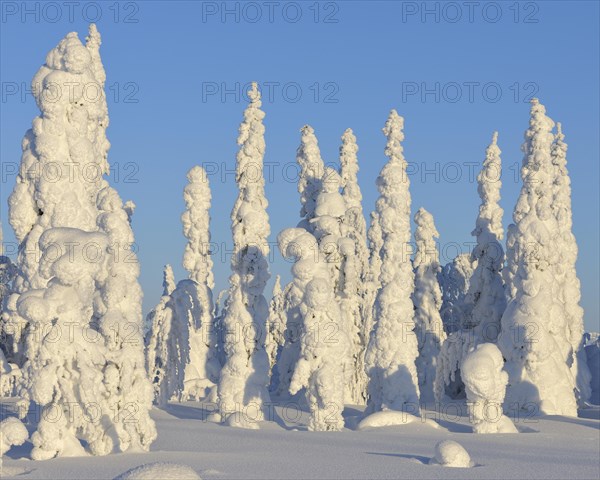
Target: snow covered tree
[(245, 375), (393, 346), (427, 300), (312, 170), (533, 338), (485, 300), (167, 346), (77, 270), (202, 371), (372, 284), (339, 252), (569, 291), (486, 291), (355, 264), (276, 323), (290, 351), (454, 280), (323, 343)]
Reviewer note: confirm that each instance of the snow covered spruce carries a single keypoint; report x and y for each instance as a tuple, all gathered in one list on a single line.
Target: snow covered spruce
[(427, 299), (242, 388), (75, 305), (393, 346), (534, 325), (484, 301)]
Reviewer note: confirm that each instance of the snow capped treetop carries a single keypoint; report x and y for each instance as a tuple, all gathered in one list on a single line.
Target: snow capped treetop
[(195, 221), (489, 221), (425, 234), (168, 280), (93, 42), (277, 290), (250, 221), (393, 130), (312, 170), (349, 170), (537, 169), (393, 205)]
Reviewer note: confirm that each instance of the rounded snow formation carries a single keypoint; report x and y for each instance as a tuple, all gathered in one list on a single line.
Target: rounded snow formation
[(388, 418), (12, 432), (449, 453), (159, 471)]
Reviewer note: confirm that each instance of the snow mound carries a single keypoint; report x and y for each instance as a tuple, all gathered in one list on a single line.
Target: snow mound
[(451, 454), (388, 418), (12, 432), (159, 471)]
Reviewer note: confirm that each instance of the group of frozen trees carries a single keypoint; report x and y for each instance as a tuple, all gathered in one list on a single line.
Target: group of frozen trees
[(528, 305), (370, 317)]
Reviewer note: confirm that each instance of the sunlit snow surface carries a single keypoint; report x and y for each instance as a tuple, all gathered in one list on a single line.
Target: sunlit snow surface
[(548, 447)]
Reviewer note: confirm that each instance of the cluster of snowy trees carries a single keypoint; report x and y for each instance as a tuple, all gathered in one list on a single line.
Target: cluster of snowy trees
[(370, 316)]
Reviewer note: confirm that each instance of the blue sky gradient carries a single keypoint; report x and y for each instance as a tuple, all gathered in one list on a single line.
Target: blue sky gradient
[(176, 71)]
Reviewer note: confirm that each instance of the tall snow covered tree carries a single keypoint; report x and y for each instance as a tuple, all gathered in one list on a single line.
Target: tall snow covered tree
[(375, 238), (486, 290), (245, 375), (356, 263), (202, 371), (485, 301), (312, 170), (323, 359), (77, 270), (393, 346), (339, 252), (533, 338), (427, 300), (164, 369), (311, 174), (569, 286)]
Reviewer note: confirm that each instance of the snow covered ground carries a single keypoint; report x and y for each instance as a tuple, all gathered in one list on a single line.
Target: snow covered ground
[(547, 448)]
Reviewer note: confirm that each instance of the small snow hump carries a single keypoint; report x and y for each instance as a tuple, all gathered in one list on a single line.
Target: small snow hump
[(159, 471), (451, 454)]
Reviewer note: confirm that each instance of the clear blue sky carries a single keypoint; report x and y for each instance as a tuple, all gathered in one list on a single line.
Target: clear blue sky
[(333, 65)]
